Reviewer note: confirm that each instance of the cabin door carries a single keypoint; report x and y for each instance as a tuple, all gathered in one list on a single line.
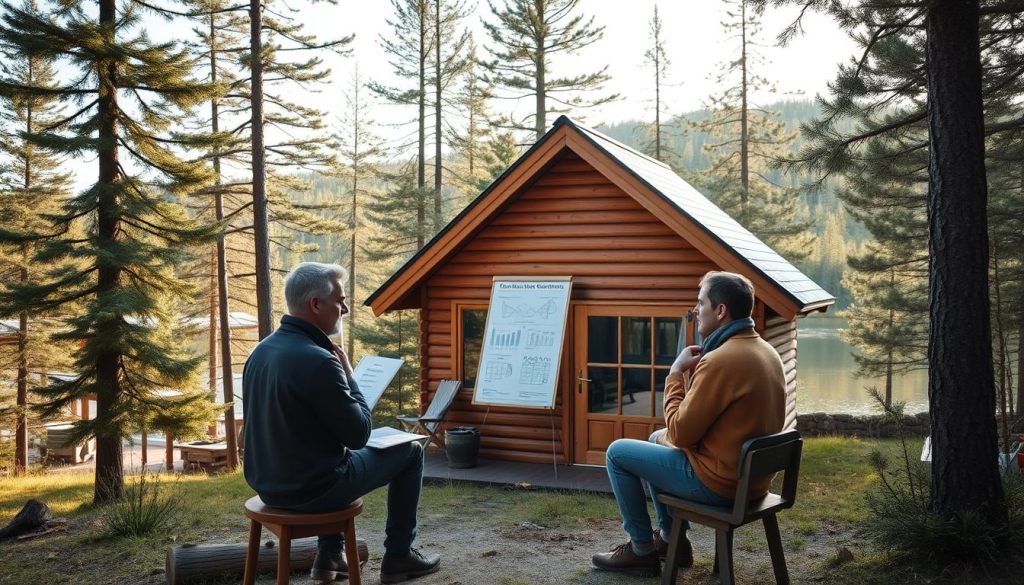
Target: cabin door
[(621, 357)]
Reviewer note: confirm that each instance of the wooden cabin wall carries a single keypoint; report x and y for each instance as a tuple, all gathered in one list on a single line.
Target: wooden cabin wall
[(781, 334), (571, 221)]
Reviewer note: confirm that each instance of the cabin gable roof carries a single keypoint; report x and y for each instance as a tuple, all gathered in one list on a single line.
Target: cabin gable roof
[(654, 185)]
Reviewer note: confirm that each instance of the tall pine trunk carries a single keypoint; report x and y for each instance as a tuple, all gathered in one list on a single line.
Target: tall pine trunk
[(211, 337), (109, 482), (353, 225), (437, 116), (261, 228), (21, 427), (540, 81), (227, 374), (421, 155), (1020, 377), (961, 389), (744, 132), (21, 400)]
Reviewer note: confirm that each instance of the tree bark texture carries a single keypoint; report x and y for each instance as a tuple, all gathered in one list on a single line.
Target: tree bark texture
[(961, 388), (227, 375), (199, 563), (261, 227), (109, 457), (32, 516), (437, 116)]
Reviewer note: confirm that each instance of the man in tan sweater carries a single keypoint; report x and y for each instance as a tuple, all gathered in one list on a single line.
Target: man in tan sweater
[(716, 397)]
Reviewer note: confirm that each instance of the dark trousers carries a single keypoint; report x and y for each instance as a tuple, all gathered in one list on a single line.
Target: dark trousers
[(401, 469)]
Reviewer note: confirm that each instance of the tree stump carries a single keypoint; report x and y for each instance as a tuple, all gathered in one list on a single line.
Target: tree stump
[(34, 517)]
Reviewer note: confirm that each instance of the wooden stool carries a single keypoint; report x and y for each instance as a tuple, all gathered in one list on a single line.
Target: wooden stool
[(288, 525)]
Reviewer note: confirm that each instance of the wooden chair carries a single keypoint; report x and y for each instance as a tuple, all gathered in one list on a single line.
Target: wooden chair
[(430, 423), (759, 456), (288, 525)]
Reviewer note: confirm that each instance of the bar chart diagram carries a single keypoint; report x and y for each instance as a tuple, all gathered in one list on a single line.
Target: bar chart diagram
[(505, 339), (539, 338)]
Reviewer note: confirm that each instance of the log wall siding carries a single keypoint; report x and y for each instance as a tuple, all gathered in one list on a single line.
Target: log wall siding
[(570, 221), (781, 334)]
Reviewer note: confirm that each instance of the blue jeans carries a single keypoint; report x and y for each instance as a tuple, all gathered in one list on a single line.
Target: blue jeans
[(632, 463), (401, 469)]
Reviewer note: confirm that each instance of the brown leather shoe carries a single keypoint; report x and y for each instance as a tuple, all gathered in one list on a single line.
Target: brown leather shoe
[(622, 559), (685, 550)]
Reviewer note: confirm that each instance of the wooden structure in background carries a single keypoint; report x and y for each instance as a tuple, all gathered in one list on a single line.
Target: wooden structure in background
[(636, 240)]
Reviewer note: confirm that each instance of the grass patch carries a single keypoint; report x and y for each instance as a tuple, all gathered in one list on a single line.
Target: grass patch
[(835, 475)]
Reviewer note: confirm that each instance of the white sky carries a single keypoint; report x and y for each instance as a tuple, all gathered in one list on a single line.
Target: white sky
[(695, 42)]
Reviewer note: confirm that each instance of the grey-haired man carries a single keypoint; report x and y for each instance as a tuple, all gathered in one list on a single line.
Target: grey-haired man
[(307, 424)]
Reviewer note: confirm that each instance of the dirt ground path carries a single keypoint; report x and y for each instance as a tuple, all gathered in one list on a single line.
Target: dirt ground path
[(477, 551)]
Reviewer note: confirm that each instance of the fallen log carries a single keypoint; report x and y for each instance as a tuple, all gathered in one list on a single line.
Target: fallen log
[(34, 516), (192, 563)]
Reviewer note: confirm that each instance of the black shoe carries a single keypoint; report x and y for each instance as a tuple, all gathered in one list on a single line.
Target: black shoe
[(328, 567), (398, 569)]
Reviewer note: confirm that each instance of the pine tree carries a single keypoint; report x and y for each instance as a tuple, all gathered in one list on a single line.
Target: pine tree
[(224, 32), (526, 35), (746, 141), (471, 140), (136, 231), (451, 60), (402, 232), (360, 152), (502, 151), (961, 387), (409, 49), (918, 92), (284, 34), (657, 58), (32, 186)]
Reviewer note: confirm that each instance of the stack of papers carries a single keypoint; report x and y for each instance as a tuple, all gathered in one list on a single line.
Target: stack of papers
[(385, 437)]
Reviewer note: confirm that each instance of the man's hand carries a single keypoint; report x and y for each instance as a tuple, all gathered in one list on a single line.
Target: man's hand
[(343, 358), (686, 360)]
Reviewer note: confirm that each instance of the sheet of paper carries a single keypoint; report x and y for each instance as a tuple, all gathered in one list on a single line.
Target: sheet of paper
[(373, 374), (522, 345), (384, 437)]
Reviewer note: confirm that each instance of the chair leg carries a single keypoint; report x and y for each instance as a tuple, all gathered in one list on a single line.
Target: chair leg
[(723, 556), (284, 553), (436, 438), (352, 554), (668, 574), (771, 532), (252, 554)]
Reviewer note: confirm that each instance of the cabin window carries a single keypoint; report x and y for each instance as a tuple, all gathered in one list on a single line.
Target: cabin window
[(471, 328)]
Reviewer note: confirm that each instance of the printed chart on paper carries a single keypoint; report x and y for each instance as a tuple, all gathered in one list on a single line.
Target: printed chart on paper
[(522, 343)]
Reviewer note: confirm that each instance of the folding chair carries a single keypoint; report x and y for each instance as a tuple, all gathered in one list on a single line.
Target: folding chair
[(759, 456), (430, 422)]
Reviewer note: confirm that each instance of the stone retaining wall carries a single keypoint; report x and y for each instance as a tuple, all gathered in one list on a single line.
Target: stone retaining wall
[(819, 423)]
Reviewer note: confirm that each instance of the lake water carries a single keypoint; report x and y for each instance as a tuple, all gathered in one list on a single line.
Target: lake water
[(826, 380)]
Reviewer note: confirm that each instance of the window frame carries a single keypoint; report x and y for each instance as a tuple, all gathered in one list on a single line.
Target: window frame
[(458, 307)]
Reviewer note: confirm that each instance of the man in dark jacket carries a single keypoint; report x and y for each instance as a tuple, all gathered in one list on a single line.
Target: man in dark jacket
[(307, 424)]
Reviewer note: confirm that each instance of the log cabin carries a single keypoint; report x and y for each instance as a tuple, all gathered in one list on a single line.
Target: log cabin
[(636, 240)]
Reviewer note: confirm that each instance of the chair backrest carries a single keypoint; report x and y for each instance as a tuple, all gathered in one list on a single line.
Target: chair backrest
[(443, 398), (761, 456)]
